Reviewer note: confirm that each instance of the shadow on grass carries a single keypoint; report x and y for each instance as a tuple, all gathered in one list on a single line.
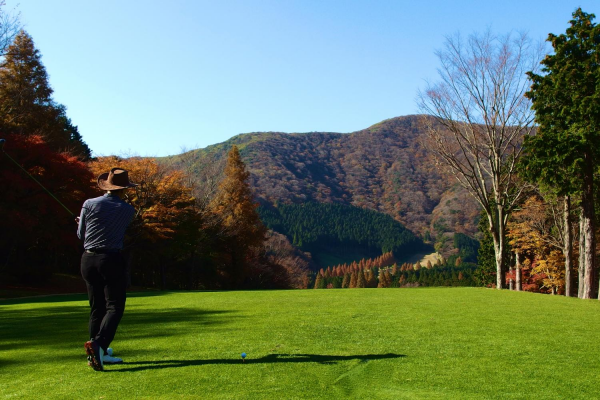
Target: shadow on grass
[(51, 298), (270, 359), (55, 326), (62, 298)]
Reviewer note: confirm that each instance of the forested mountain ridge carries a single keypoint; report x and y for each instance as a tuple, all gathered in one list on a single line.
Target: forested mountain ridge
[(383, 168), (335, 232)]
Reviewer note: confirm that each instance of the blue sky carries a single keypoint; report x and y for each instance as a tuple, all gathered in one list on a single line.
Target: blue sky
[(153, 77)]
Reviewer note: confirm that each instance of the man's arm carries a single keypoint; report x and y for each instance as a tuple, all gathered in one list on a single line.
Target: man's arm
[(81, 222)]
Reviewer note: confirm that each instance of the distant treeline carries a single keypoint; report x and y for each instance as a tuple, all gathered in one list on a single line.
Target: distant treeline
[(371, 274), (468, 249), (312, 226)]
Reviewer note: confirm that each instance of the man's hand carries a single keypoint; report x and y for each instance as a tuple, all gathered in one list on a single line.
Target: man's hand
[(77, 220)]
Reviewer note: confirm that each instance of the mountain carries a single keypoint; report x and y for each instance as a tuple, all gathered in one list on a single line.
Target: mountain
[(335, 233), (385, 168)]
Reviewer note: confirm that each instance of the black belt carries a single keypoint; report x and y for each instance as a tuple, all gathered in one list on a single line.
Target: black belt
[(102, 251)]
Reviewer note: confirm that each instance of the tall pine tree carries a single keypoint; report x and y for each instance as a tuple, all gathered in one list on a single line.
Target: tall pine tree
[(26, 103), (235, 210), (565, 151)]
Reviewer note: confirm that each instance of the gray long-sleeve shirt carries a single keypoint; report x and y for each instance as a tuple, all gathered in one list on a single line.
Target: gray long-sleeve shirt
[(103, 222)]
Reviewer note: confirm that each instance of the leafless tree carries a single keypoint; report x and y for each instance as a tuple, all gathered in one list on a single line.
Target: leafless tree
[(203, 173), (480, 116), (10, 25)]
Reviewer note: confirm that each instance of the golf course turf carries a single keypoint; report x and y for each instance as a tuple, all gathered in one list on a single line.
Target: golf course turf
[(450, 343)]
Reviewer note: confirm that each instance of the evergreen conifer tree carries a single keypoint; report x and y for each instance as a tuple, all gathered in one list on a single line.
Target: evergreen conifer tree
[(401, 280), (353, 280), (388, 278), (360, 280), (26, 103), (565, 152), (320, 282), (235, 209), (346, 281)]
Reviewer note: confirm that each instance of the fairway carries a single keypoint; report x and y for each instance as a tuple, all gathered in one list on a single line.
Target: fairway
[(450, 343)]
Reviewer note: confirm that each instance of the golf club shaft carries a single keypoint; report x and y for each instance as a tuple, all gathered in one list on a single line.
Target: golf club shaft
[(38, 182)]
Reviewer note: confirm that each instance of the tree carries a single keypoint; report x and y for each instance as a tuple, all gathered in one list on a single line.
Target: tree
[(236, 211), (319, 282), (26, 103), (361, 282), (480, 117), (564, 152), (486, 273), (346, 281), (38, 237), (279, 251), (532, 234), (166, 226), (353, 280), (10, 25), (370, 278)]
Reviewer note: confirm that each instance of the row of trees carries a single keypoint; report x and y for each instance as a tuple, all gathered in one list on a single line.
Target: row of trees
[(396, 277), (176, 241), (507, 127), (562, 158), (384, 271), (37, 235), (191, 231)]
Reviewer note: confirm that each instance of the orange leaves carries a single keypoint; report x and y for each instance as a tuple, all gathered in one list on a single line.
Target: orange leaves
[(530, 234), (162, 199), (37, 233), (234, 205), (529, 228), (551, 269)]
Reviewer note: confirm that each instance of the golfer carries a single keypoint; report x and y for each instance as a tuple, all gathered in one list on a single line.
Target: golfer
[(101, 226)]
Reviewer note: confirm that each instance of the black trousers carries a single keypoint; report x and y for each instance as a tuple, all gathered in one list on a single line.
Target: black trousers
[(106, 281)]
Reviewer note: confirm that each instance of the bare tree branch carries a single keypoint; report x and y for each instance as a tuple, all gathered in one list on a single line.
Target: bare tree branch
[(480, 116)]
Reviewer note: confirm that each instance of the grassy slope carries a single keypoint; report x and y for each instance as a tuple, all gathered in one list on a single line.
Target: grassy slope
[(357, 343)]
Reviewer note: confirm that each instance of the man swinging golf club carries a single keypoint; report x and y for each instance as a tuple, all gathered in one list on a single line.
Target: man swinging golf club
[(102, 226)]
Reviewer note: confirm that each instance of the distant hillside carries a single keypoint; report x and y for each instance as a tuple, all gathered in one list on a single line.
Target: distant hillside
[(383, 168), (338, 233)]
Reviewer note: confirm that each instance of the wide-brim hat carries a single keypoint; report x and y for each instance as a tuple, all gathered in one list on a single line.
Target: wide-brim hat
[(116, 179)]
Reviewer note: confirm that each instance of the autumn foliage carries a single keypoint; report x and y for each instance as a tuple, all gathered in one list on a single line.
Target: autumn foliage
[(531, 236), (38, 234), (384, 272), (176, 241)]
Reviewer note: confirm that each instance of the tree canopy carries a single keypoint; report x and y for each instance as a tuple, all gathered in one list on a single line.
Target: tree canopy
[(26, 103), (563, 155), (482, 117)]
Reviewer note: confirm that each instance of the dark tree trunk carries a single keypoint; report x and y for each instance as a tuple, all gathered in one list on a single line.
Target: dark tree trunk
[(568, 248), (581, 271)]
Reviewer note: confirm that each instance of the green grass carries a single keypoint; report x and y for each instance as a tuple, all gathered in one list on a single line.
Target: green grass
[(433, 343)]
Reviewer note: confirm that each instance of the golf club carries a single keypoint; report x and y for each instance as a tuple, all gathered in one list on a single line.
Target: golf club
[(2, 142)]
